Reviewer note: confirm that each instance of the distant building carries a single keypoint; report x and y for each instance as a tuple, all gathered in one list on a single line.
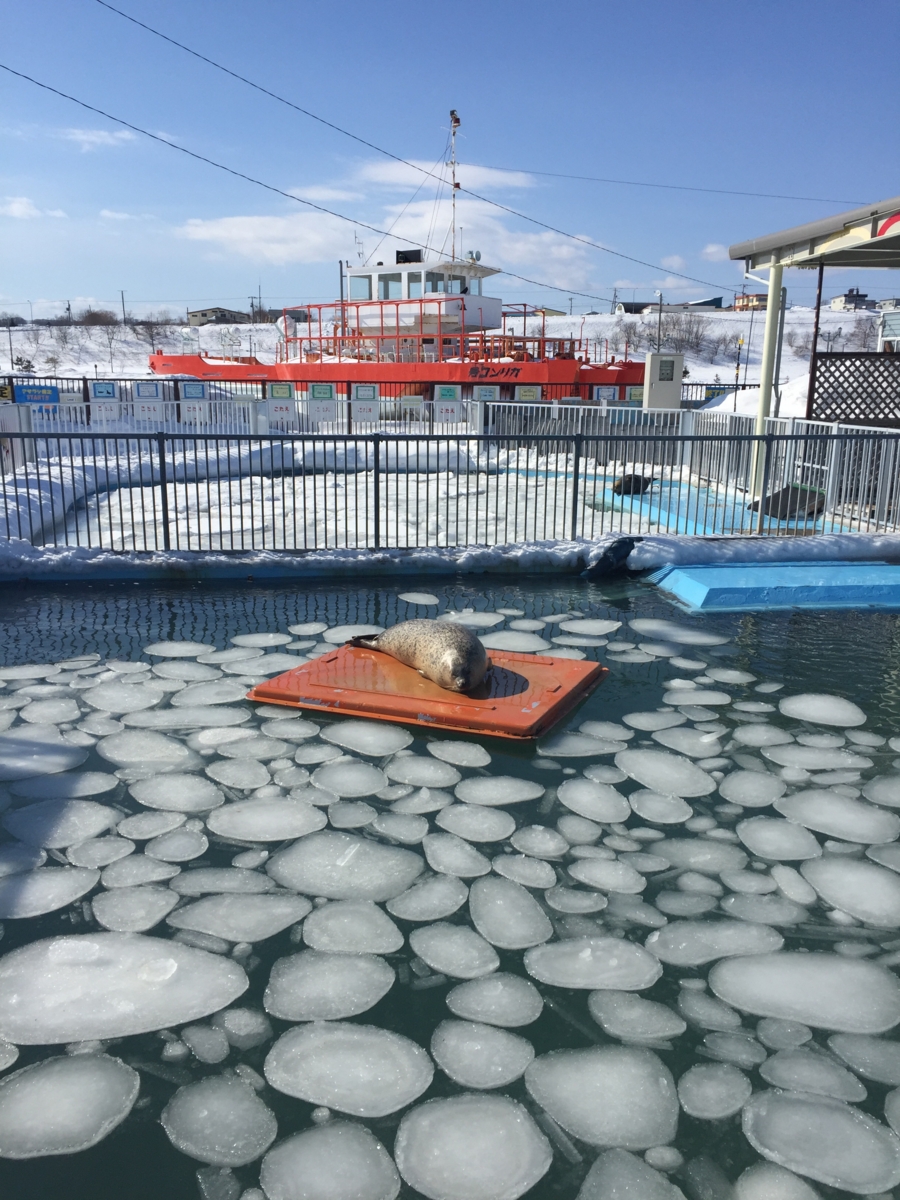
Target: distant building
[(218, 316), (643, 307), (891, 305), (851, 301), (546, 311), (752, 300)]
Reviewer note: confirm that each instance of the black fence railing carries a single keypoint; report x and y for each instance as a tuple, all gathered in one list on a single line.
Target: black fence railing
[(856, 388), (230, 493)]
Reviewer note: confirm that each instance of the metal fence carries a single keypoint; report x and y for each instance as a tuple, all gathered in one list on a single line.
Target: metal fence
[(309, 492), (856, 388)]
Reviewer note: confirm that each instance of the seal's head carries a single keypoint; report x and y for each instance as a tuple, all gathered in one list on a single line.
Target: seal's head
[(461, 671)]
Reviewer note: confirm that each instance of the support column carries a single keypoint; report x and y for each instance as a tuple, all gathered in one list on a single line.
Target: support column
[(770, 346), (767, 372)]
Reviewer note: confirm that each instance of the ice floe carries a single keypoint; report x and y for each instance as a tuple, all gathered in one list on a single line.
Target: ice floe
[(64, 1105), (241, 918), (312, 985), (607, 1096), (713, 1091), (105, 985), (476, 1055), (339, 1160), (593, 962), (219, 1120), (823, 1139), (321, 1063), (499, 999), (351, 927), (454, 950), (471, 1147), (827, 991)]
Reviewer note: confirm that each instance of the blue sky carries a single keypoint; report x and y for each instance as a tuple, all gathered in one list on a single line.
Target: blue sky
[(796, 98)]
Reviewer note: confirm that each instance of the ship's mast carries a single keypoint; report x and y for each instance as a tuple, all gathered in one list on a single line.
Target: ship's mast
[(454, 125)]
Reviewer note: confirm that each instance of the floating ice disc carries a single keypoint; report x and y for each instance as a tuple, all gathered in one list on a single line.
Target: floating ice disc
[(64, 1105), (336, 1161), (822, 710), (36, 750), (104, 985), (471, 1147), (357, 1069), (220, 1121), (343, 866)]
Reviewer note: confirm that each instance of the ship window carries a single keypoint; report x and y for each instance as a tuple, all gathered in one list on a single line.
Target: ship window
[(415, 285), (390, 287), (360, 287), (456, 284), (434, 282), (474, 287)]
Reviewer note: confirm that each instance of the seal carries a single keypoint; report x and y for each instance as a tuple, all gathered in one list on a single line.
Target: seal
[(449, 655)]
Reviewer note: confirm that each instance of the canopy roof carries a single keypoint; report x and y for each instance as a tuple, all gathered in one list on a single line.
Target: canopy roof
[(863, 237)]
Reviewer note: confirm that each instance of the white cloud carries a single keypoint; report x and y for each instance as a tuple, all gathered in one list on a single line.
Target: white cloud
[(673, 262), (19, 207), (93, 139), (398, 174), (320, 195), (109, 214), (300, 237), (715, 252)]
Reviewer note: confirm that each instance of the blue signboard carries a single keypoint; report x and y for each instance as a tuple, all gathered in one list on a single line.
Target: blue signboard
[(104, 389), (33, 393), (148, 390), (194, 391)]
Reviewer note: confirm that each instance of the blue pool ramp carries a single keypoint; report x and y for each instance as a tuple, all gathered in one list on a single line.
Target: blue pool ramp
[(736, 587)]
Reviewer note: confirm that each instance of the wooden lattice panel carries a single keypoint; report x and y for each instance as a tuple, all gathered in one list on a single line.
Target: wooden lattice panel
[(857, 389)]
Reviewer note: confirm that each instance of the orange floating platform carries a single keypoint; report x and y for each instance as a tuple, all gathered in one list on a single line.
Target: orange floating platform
[(522, 697)]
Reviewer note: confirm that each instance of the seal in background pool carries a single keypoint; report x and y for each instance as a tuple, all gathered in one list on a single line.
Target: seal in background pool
[(449, 655), (632, 485)]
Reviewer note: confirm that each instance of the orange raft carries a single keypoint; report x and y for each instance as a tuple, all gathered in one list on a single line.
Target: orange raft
[(523, 696)]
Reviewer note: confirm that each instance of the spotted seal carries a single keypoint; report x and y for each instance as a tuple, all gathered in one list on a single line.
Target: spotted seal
[(448, 654)]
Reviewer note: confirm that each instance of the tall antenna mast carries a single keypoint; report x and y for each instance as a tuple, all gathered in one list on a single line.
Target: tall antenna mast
[(454, 125)]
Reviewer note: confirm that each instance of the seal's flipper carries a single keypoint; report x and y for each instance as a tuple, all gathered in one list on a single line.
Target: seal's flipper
[(368, 641)]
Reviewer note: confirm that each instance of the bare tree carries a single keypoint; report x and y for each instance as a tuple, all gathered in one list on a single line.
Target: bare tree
[(111, 335), (864, 333), (800, 344), (96, 316)]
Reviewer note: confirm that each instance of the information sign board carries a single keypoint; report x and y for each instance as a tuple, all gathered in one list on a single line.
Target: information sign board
[(321, 391), (281, 391), (194, 390), (364, 392), (103, 389), (528, 393), (486, 393), (447, 393), (34, 393), (148, 389)]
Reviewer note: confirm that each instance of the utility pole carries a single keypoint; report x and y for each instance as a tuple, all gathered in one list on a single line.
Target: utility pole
[(737, 370), (659, 325), (615, 300), (570, 306), (454, 125), (749, 340), (69, 310), (122, 294)]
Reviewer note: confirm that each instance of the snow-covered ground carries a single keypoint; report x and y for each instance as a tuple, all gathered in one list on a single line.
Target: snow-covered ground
[(708, 339)]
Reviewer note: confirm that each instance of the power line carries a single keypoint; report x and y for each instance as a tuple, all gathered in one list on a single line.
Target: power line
[(251, 179), (674, 187), (396, 158)]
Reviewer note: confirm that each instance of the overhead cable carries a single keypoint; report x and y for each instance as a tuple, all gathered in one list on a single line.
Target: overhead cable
[(397, 158)]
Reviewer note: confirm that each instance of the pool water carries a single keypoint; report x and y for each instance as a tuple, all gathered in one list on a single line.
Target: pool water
[(676, 507), (728, 1021)]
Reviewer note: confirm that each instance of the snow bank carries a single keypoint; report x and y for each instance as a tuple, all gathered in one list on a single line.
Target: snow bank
[(793, 400), (666, 551), (21, 561)]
